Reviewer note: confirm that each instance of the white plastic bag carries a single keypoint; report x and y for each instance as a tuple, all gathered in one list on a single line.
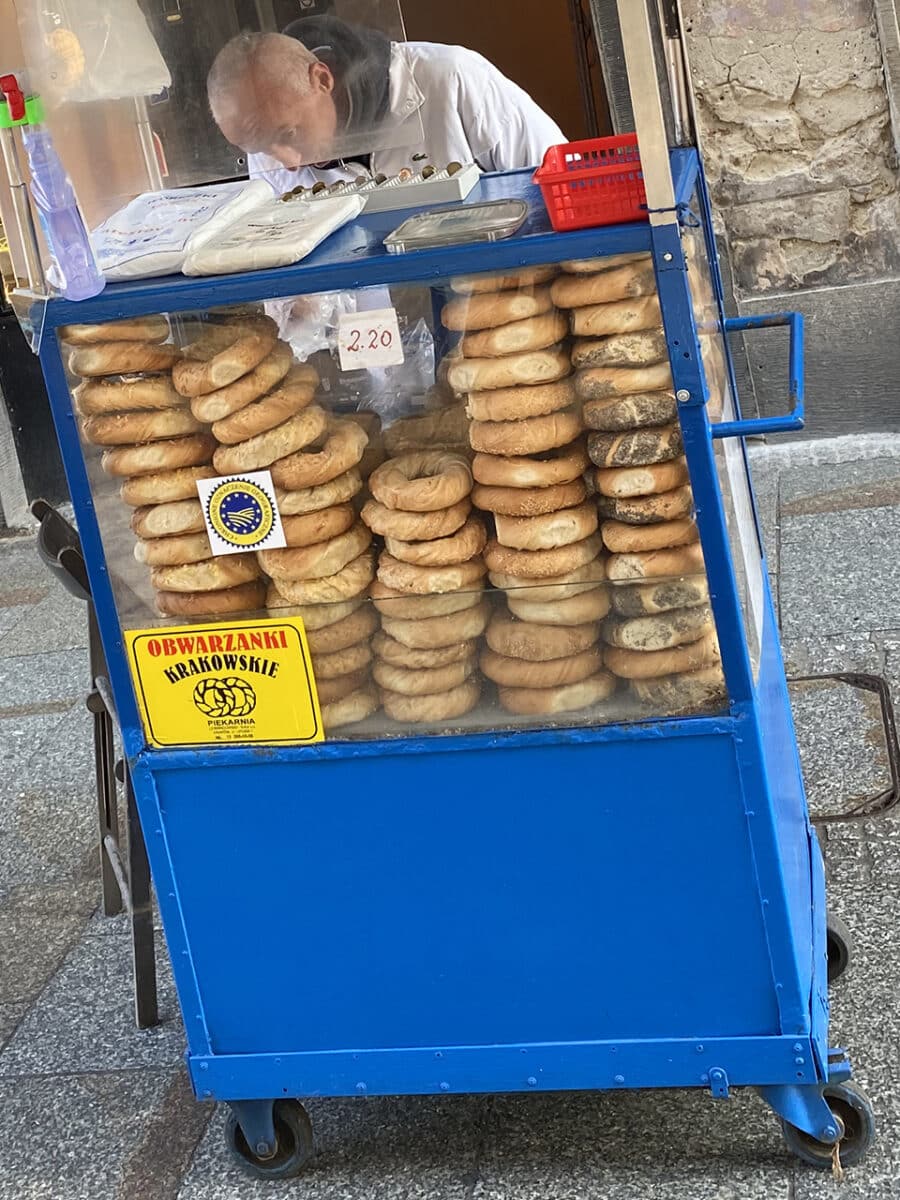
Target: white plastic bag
[(154, 234), (81, 50), (273, 236)]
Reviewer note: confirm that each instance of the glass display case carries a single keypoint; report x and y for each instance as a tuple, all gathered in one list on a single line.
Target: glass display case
[(494, 530)]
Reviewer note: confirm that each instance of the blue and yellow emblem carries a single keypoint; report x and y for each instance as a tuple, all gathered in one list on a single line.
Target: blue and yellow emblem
[(241, 513)]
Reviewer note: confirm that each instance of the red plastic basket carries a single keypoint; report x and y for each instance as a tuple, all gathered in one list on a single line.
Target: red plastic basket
[(596, 182)]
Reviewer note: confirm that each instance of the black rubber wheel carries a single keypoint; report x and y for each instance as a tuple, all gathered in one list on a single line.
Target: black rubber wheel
[(294, 1136), (854, 1113), (840, 947)]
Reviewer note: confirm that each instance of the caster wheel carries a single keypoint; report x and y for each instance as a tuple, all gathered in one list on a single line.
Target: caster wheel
[(294, 1136), (840, 947), (855, 1116)]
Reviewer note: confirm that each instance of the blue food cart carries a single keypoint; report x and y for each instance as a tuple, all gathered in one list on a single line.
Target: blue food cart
[(618, 900)]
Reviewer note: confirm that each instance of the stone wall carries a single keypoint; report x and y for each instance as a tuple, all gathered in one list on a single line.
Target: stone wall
[(798, 141)]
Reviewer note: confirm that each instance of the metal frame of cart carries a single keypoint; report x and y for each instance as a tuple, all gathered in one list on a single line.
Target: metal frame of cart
[(570, 908)]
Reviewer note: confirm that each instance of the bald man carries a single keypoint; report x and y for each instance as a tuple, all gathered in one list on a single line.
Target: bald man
[(325, 90)]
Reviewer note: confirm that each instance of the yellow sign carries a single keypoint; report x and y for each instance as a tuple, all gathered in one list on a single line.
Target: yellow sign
[(241, 681)]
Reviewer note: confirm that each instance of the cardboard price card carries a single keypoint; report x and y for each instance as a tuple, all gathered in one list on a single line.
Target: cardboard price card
[(239, 681), (369, 339)]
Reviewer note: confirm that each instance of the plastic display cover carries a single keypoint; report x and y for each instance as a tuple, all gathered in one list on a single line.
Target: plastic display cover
[(124, 85), (731, 461), (475, 499), (455, 226)]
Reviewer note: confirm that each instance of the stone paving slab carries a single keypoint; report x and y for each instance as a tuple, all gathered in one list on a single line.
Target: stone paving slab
[(417, 1148), (58, 622), (830, 487), (47, 798), (809, 655), (9, 618), (22, 737), (26, 581), (46, 921), (857, 552), (84, 1019), (632, 1145), (842, 746), (97, 1137), (10, 1016), (39, 683)]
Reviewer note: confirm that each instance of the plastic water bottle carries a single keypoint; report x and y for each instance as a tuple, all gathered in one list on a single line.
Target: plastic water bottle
[(74, 271)]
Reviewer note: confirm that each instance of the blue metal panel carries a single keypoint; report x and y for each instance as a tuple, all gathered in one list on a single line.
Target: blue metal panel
[(514, 1068), (819, 998), (781, 775), (526, 894), (232, 756)]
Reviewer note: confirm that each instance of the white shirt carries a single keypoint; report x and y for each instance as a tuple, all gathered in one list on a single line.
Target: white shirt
[(450, 105)]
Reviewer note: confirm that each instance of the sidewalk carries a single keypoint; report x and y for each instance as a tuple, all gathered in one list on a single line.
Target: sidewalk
[(94, 1110)]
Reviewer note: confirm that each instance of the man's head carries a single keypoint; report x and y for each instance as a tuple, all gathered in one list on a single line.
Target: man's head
[(269, 94)]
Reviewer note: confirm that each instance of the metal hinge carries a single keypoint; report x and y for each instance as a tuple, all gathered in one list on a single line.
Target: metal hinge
[(718, 1083)]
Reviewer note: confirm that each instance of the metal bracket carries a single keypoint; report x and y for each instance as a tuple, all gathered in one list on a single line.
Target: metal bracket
[(838, 1065), (718, 1083), (668, 252), (805, 1106), (257, 1121)]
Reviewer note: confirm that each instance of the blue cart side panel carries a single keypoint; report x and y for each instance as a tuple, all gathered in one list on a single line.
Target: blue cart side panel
[(799, 853), (515, 895)]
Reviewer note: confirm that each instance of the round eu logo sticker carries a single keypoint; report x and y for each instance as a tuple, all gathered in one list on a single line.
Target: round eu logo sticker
[(241, 513)]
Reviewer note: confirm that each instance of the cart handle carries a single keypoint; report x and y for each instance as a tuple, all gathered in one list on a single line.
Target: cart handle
[(792, 420)]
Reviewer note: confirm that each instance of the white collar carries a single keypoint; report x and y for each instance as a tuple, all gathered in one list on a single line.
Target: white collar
[(406, 95)]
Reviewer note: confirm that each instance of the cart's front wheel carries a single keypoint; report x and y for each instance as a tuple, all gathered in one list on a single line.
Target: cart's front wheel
[(840, 947), (294, 1143), (855, 1117)]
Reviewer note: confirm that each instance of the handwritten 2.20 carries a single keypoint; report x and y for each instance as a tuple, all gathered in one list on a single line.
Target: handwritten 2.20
[(369, 339)]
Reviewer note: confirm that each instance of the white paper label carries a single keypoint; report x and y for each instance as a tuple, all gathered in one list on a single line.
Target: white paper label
[(369, 339), (241, 513)]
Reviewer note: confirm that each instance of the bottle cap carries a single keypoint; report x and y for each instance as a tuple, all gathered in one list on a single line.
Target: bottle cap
[(18, 109)]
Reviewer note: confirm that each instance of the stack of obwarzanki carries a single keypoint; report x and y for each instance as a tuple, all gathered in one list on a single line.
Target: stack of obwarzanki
[(241, 381), (430, 586), (528, 436), (265, 419), (661, 636), (154, 442)]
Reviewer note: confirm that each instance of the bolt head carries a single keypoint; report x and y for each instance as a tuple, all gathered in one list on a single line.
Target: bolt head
[(445, 1087), (682, 395), (829, 1133), (360, 1087), (532, 1081), (619, 1079), (263, 1149), (667, 257)]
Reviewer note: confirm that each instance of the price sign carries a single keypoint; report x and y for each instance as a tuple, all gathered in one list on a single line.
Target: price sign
[(369, 339)]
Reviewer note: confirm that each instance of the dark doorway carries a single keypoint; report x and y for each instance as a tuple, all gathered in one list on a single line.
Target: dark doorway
[(544, 45)]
